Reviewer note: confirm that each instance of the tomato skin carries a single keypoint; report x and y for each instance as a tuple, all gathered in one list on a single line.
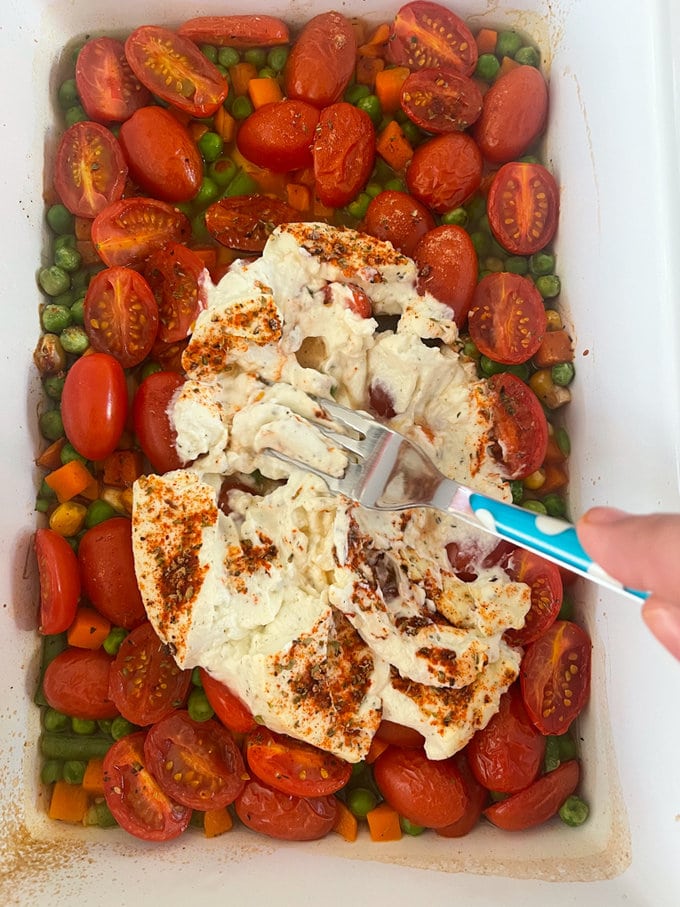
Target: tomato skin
[(399, 735), (59, 581), (107, 572), (128, 231), (546, 595), (151, 421), (162, 157), (523, 207), (507, 319), (284, 816), (94, 405), (233, 713), (321, 62), (427, 792), (279, 136), (162, 60), (134, 796), (107, 87), (439, 101), (246, 222), (448, 267), (76, 683), (90, 170), (445, 171), (537, 803), (175, 275), (235, 31), (343, 153), (553, 701), (514, 113), (294, 767), (426, 35), (477, 795), (398, 218), (520, 425)]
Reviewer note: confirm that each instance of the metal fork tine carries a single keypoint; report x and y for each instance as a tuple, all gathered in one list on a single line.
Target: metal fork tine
[(346, 442), (349, 417), (333, 482)]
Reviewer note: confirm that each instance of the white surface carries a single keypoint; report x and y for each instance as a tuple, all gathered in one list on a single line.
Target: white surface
[(613, 143)]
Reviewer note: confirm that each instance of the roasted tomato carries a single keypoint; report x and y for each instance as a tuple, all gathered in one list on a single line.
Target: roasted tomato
[(537, 803), (121, 315), (523, 207), (59, 578), (445, 171), (174, 69), (546, 595), (448, 267), (76, 683), (507, 320), (343, 152), (175, 275), (284, 816), (427, 35), (439, 101), (94, 405), (90, 170), (155, 432), (477, 796), (107, 87), (322, 60), (128, 231), (399, 734), (233, 713), (235, 31), (279, 136), (398, 218), (514, 114), (520, 425), (246, 222), (162, 158)]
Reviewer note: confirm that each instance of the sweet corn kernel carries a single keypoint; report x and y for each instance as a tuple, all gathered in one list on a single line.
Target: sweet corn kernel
[(68, 518), (554, 320), (534, 481)]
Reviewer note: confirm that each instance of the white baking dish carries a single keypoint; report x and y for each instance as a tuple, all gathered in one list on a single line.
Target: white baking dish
[(613, 145)]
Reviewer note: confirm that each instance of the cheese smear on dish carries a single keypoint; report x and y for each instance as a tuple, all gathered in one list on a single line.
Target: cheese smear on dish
[(322, 616)]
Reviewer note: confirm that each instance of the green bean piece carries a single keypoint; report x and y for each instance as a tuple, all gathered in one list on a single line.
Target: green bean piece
[(97, 512), (242, 107), (255, 55), (104, 724), (83, 726), (242, 184), (199, 231), (55, 721), (528, 56), (563, 440), (359, 206), (487, 67), (409, 828), (567, 608), (99, 815), (211, 146), (563, 373), (74, 771), (568, 747), (508, 43), (149, 368), (530, 159), (196, 678), (456, 216), (542, 263), (222, 171), (74, 339), (209, 51), (54, 280), (277, 57), (535, 506), (574, 811), (555, 505), (73, 747), (356, 92), (360, 801), (111, 645), (55, 318), (551, 759), (476, 208), (42, 505), (75, 114), (497, 796), (78, 311), (121, 727), (53, 385), (50, 424), (60, 220), (51, 771), (516, 264), (481, 242), (198, 706), (370, 105)]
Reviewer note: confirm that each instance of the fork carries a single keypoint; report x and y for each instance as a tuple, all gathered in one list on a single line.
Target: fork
[(387, 471)]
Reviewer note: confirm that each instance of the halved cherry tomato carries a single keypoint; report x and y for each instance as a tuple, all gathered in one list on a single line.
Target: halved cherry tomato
[(293, 766), (439, 101), (197, 763), (425, 791), (128, 231), (121, 315), (146, 683), (322, 60), (162, 158), (520, 425), (152, 425), (94, 405), (523, 206), (107, 572), (343, 152), (399, 734), (445, 171), (514, 114), (235, 31), (76, 683), (398, 218), (173, 68), (169, 355), (59, 581), (477, 796), (546, 595), (427, 35), (107, 87), (537, 803), (279, 135), (246, 222), (507, 754), (448, 267), (507, 320), (135, 798), (283, 816), (175, 275), (90, 170), (555, 677), (233, 713)]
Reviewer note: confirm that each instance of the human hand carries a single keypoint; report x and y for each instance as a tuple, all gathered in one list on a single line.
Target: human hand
[(643, 552)]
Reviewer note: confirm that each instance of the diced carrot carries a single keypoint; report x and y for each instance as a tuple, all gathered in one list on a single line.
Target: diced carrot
[(486, 40), (88, 630), (267, 180), (305, 177), (367, 69), (241, 74), (507, 63), (69, 480), (197, 130), (91, 492), (264, 91), (321, 210), (225, 125), (123, 467), (83, 228), (68, 802), (383, 823), (376, 748), (93, 779), (555, 478), (554, 452), (393, 146), (388, 84), (555, 348), (346, 824), (88, 252), (298, 196), (50, 458), (207, 254), (377, 43), (216, 822)]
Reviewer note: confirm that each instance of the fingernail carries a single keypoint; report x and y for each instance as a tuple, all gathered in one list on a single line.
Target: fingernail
[(603, 516), (664, 621)]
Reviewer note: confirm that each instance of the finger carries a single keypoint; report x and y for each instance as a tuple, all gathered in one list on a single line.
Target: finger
[(663, 619)]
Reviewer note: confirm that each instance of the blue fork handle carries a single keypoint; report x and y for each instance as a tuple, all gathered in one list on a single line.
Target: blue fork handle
[(545, 535)]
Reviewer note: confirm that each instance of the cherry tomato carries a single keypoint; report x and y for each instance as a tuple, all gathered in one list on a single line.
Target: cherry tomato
[(121, 315), (197, 763), (426, 792), (477, 795), (398, 218), (59, 581), (152, 425), (507, 754), (426, 35), (445, 171), (555, 677), (146, 683), (279, 136), (162, 158), (537, 803), (448, 267), (294, 767), (439, 101), (174, 69), (90, 170), (169, 355), (520, 425), (175, 275), (322, 60), (128, 231), (507, 320), (359, 303), (523, 206), (94, 405), (107, 87), (399, 734), (246, 222), (546, 595), (107, 572), (233, 713), (278, 815), (235, 31), (514, 114), (76, 683), (135, 798), (343, 152)]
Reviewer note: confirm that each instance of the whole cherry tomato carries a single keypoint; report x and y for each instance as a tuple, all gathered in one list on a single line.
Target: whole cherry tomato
[(59, 578), (279, 135), (76, 683), (233, 713), (477, 795), (284, 816), (94, 405), (151, 419), (445, 171), (441, 101), (236, 31), (514, 113), (398, 218), (322, 60), (538, 802), (343, 152), (448, 267)]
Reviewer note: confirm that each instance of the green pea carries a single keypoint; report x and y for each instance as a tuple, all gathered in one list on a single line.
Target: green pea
[(46, 491), (370, 105), (222, 171), (69, 453), (199, 231), (67, 259), (542, 263), (42, 505), (497, 796), (74, 339), (98, 814), (121, 727), (373, 189), (198, 706), (223, 71), (277, 57), (112, 644), (476, 208), (574, 811), (75, 114), (78, 311), (207, 193), (97, 512), (241, 108), (359, 206), (412, 132), (568, 748), (567, 608), (67, 94), (530, 159), (55, 318), (508, 43), (104, 724), (51, 771), (228, 56), (149, 368), (528, 56), (360, 801), (209, 51), (488, 368), (494, 264), (211, 146), (563, 440), (356, 92), (81, 280), (242, 184), (516, 264), (256, 55), (481, 242), (196, 678), (267, 73), (563, 373), (60, 219), (555, 505), (487, 67), (51, 425), (54, 280), (54, 720), (517, 491), (551, 759), (65, 299), (456, 216), (84, 726), (395, 185), (548, 286), (74, 771), (409, 828), (535, 506), (197, 819), (470, 349)]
